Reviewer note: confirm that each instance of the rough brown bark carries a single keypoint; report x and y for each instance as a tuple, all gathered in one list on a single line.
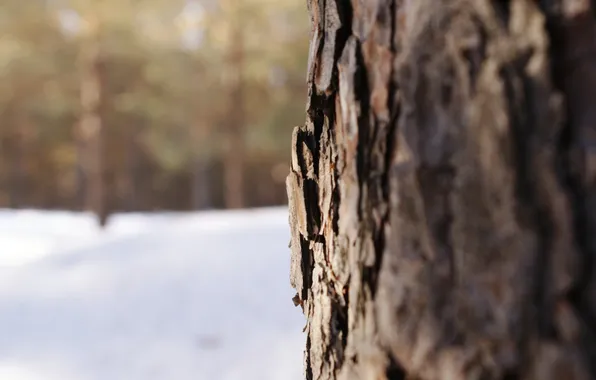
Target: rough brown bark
[(442, 201)]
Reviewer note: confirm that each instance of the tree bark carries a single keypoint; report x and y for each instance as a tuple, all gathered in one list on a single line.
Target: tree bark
[(442, 202)]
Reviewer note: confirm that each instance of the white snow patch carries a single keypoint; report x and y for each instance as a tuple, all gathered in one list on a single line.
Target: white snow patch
[(163, 296)]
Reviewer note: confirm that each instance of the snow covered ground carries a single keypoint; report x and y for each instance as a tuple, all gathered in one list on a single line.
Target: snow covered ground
[(153, 297)]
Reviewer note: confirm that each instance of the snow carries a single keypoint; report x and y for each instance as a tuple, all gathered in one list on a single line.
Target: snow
[(152, 297)]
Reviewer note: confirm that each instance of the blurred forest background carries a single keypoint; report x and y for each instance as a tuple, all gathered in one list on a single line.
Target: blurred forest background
[(136, 105)]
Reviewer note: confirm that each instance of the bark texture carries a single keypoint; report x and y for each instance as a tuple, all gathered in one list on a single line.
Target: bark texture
[(442, 201)]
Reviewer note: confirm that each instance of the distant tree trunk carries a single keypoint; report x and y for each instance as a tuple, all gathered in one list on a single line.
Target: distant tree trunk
[(130, 178), (200, 165), (15, 177), (14, 150), (201, 189), (80, 177), (23, 135), (442, 192), (90, 124), (235, 155)]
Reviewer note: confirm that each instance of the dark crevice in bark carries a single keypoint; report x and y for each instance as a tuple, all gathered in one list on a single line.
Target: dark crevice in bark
[(564, 61), (369, 277), (318, 103), (475, 56), (340, 323), (310, 186), (335, 201), (311, 192), (344, 321), (391, 144), (344, 9), (587, 339), (581, 226), (321, 240), (308, 367), (394, 107), (394, 371), (503, 8), (543, 220), (306, 264), (378, 226), (372, 274), (531, 213), (511, 375), (362, 94), (576, 294), (576, 197)]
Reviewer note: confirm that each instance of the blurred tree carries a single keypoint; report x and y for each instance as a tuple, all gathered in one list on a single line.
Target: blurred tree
[(27, 57), (249, 69), (90, 131), (157, 79)]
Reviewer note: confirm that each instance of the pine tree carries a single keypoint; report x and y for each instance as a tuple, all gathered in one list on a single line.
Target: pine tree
[(442, 191)]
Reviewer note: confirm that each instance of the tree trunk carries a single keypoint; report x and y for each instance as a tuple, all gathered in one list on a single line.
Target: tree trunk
[(442, 200), (23, 136), (200, 169), (90, 124), (201, 189), (132, 166), (15, 150), (236, 144)]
